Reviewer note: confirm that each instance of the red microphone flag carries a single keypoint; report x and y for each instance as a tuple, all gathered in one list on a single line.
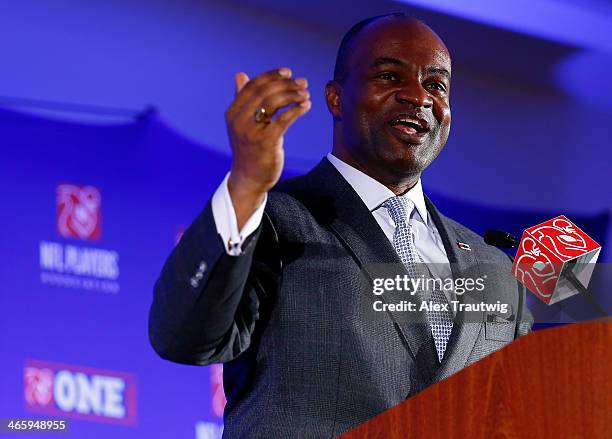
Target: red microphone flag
[(549, 248)]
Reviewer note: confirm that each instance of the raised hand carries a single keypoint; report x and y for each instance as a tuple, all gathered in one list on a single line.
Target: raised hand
[(262, 111)]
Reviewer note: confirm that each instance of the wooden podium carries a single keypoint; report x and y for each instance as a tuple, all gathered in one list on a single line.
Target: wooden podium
[(553, 383)]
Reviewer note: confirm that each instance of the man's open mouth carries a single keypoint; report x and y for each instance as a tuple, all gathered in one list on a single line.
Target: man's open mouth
[(410, 124), (410, 128)]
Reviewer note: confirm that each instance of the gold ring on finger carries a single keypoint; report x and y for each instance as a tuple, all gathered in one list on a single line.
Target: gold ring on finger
[(261, 115)]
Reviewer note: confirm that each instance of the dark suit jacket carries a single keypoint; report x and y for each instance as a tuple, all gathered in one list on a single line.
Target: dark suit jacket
[(302, 359)]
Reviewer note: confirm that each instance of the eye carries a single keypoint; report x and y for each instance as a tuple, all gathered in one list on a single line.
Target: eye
[(387, 76), (437, 86)]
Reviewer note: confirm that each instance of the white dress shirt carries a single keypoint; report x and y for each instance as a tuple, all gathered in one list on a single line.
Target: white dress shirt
[(226, 222), (373, 194)]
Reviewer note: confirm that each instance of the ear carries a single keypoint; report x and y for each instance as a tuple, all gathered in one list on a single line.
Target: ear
[(332, 96)]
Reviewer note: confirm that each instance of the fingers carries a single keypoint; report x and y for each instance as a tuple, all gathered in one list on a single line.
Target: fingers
[(257, 148), (261, 80), (272, 90), (275, 96), (241, 79), (253, 86), (277, 101), (289, 116)]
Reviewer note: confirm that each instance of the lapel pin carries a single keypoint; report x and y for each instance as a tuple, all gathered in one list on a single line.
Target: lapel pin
[(464, 246)]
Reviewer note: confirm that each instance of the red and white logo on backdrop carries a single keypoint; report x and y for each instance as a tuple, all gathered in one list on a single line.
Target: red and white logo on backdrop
[(78, 211), (38, 386), (73, 265), (218, 400), (80, 392)]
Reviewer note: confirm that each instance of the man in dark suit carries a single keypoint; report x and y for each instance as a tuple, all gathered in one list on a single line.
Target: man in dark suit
[(269, 278)]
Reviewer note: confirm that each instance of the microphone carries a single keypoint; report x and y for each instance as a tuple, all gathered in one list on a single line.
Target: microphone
[(501, 239), (534, 273)]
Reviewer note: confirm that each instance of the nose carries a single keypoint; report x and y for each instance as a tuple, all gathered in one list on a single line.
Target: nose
[(414, 93)]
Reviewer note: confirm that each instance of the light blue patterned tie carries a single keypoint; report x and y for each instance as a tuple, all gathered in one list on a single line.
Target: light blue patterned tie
[(441, 322)]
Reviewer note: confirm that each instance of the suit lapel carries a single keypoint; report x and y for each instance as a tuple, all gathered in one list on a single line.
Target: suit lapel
[(464, 264), (337, 205)]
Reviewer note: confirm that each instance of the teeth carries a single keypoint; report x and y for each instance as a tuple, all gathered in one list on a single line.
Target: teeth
[(409, 123)]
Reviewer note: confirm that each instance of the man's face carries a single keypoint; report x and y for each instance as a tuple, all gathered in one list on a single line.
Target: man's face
[(394, 103)]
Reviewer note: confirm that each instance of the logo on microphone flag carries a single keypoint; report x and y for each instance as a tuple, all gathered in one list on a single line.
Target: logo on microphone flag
[(546, 250)]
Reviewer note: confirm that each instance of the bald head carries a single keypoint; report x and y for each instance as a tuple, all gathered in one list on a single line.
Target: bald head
[(351, 39)]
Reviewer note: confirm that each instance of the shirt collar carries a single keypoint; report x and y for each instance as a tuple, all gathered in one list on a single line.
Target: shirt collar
[(372, 192)]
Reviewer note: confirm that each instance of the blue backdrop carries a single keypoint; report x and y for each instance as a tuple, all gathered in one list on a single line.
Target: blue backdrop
[(90, 212)]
